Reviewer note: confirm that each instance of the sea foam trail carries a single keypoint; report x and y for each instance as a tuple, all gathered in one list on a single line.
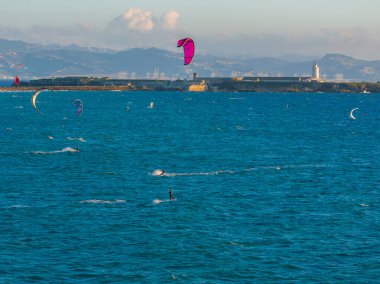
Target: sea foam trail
[(158, 201), (229, 172), (19, 206), (67, 149), (100, 201), (163, 173), (77, 139), (201, 173)]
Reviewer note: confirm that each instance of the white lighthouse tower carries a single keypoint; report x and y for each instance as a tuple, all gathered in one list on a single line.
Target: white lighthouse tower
[(315, 72)]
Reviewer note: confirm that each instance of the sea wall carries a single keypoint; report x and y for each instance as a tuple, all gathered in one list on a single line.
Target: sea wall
[(213, 84)]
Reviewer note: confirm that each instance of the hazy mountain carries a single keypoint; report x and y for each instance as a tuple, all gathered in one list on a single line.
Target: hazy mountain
[(28, 60), (350, 68)]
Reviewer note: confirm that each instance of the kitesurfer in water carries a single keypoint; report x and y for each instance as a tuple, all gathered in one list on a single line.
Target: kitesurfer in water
[(77, 149), (159, 172), (171, 194)]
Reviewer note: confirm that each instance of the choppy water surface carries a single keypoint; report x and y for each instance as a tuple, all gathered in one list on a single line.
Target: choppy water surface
[(267, 187)]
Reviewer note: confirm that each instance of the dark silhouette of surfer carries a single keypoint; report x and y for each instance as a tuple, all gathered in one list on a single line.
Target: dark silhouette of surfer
[(171, 194)]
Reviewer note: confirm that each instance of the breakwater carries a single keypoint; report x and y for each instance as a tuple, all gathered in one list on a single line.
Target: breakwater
[(277, 84)]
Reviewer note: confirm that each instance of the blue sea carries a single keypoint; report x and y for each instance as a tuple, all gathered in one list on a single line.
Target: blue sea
[(268, 188)]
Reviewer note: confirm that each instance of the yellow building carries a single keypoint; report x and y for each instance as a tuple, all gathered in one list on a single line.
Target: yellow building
[(198, 87)]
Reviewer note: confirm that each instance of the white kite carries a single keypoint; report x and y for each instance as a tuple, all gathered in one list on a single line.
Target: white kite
[(34, 96), (352, 113)]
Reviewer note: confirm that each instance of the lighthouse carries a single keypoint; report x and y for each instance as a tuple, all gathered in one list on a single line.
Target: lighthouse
[(315, 72)]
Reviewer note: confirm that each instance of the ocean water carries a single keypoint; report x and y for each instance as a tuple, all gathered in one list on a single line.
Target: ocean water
[(268, 188)]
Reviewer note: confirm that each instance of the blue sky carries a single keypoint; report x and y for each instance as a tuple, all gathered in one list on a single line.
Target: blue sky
[(225, 27)]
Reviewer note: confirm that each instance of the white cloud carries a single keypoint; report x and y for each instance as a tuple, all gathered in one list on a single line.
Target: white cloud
[(137, 19), (170, 19)]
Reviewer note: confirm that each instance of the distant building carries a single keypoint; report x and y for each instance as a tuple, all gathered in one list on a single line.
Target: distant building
[(315, 72), (198, 87)]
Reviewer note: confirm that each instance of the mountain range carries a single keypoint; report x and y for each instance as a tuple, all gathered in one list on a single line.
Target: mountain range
[(29, 60)]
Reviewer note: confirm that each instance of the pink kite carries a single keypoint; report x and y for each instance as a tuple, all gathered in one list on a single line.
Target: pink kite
[(79, 105), (16, 82), (188, 49)]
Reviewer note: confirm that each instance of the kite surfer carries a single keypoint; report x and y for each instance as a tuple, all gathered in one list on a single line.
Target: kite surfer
[(159, 172), (79, 105), (34, 97), (171, 194)]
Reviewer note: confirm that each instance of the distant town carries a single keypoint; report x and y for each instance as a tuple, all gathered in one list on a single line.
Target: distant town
[(200, 84), (73, 67), (31, 62)]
